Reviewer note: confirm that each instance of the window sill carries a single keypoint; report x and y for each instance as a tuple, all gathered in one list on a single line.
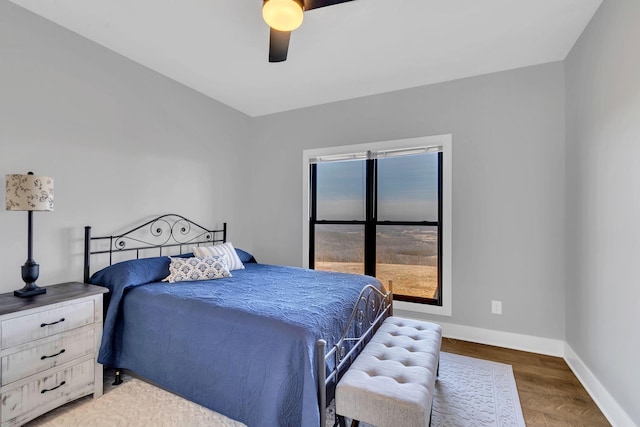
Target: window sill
[(444, 310)]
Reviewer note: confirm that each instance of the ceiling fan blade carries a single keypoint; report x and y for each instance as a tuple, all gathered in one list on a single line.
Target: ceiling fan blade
[(315, 4), (278, 45)]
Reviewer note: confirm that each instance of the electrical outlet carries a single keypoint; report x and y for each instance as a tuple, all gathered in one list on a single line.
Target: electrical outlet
[(496, 307)]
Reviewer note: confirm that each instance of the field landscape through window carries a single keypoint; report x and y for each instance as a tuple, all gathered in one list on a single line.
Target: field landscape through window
[(408, 255)]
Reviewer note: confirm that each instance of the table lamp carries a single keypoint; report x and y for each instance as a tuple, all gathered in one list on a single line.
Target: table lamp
[(29, 193)]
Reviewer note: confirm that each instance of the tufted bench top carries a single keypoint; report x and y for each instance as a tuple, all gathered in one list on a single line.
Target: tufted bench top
[(391, 382)]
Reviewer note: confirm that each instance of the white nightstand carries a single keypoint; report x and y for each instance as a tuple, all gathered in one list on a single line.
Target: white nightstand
[(48, 349)]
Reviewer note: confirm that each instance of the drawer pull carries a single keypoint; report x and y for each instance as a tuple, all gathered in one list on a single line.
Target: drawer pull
[(51, 389), (53, 355), (42, 325)]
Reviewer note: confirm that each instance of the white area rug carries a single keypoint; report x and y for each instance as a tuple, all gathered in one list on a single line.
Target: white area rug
[(133, 403), (474, 392), (469, 393)]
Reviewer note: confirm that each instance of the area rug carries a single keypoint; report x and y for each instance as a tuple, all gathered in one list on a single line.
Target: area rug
[(469, 393), (474, 392), (133, 403)]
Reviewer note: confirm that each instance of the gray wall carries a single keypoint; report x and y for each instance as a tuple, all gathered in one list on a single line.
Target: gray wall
[(121, 141), (603, 200), (508, 185), (124, 143)]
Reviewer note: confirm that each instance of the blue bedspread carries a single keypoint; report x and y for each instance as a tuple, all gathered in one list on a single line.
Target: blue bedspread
[(242, 346)]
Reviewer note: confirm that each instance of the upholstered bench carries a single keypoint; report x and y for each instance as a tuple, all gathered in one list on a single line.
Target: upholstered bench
[(391, 382)]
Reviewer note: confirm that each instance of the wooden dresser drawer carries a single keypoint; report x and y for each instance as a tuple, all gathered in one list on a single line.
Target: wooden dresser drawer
[(41, 355), (22, 329), (47, 392)]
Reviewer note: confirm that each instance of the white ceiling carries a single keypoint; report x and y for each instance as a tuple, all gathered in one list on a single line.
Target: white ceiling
[(358, 48)]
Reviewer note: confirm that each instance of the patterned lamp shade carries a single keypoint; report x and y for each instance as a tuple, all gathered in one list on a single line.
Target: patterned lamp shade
[(29, 193)]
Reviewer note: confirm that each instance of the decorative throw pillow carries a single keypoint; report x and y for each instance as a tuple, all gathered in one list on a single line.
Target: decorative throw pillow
[(132, 272), (246, 257), (197, 268), (233, 261)]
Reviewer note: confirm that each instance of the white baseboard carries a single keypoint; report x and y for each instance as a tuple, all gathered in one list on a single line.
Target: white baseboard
[(552, 347), (607, 404), (548, 346)]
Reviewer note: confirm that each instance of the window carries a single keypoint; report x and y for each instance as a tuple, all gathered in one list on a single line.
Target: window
[(381, 209)]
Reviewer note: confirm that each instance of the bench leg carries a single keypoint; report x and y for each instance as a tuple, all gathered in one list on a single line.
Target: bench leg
[(343, 423)]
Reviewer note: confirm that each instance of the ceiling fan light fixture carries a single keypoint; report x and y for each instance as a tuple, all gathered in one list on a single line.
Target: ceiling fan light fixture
[(282, 15)]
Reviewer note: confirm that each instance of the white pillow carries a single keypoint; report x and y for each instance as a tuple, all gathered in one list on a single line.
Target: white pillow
[(197, 268), (233, 260)]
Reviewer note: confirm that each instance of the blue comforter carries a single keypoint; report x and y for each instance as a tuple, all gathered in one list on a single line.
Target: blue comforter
[(242, 346)]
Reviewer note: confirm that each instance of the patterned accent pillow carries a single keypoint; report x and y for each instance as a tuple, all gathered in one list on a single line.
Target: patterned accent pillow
[(197, 268), (233, 260)]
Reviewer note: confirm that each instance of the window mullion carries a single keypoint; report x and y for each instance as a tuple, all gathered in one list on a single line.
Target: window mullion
[(440, 183), (313, 214), (370, 219)]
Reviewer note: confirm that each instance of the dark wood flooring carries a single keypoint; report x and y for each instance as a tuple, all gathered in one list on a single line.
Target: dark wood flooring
[(550, 394)]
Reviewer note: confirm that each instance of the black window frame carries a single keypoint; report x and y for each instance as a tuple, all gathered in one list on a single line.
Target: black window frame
[(371, 224)]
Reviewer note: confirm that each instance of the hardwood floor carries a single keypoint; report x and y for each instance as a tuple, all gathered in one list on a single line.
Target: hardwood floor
[(550, 394)]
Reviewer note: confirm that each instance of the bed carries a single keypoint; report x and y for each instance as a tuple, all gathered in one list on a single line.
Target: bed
[(264, 346)]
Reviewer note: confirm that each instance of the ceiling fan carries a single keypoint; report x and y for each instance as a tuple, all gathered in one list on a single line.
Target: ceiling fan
[(284, 16)]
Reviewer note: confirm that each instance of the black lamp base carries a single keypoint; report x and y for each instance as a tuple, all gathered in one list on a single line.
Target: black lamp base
[(30, 273), (29, 291)]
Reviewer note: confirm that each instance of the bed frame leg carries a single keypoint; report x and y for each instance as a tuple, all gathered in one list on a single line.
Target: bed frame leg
[(390, 298), (321, 372), (118, 379)]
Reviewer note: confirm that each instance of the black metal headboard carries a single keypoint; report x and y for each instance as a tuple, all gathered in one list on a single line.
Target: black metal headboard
[(165, 231)]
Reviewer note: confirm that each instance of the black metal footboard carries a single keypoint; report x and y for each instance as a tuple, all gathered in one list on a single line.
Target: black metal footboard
[(372, 307)]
